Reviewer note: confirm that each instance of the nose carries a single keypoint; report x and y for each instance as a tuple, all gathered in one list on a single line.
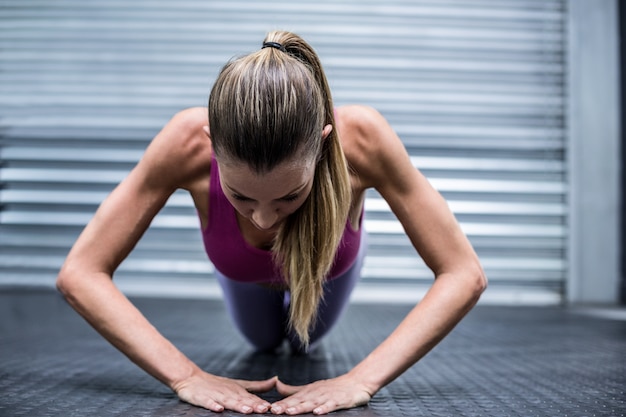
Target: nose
[(264, 219)]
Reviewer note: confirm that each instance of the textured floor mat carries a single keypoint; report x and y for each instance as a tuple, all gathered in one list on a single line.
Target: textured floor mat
[(500, 361)]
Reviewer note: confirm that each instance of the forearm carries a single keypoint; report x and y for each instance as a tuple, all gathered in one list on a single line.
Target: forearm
[(445, 304), (96, 298)]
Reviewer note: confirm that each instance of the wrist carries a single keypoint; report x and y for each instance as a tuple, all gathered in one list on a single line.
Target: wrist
[(368, 378), (185, 374)]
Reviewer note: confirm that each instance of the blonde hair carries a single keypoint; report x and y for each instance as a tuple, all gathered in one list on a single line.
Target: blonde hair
[(264, 109)]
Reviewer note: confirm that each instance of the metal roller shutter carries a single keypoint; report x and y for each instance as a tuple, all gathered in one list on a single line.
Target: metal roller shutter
[(475, 88)]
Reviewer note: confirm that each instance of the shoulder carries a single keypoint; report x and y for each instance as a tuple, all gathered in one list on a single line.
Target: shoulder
[(370, 144), (358, 123), (185, 130), (181, 150)]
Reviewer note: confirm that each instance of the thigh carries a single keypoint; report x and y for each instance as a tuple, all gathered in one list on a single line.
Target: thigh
[(259, 313)]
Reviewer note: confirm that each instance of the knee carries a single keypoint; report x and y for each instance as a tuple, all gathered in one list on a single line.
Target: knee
[(261, 333), (264, 343)]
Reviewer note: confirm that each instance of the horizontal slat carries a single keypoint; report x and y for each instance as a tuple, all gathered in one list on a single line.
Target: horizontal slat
[(101, 176), (77, 197), (398, 268), (66, 176), (478, 229), (81, 219), (14, 153), (483, 207), (495, 186), (84, 123), (56, 154), (372, 226), (91, 199), (450, 105), (518, 9), (180, 243)]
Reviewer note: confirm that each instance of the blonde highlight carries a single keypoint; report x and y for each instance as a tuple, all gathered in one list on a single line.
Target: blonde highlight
[(267, 107)]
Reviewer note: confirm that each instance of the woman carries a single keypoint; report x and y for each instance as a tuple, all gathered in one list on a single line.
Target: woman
[(278, 177)]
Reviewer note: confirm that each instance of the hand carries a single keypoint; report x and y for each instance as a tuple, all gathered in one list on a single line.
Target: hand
[(218, 393), (321, 397)]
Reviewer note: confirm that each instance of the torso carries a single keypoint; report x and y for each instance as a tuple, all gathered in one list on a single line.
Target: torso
[(240, 260)]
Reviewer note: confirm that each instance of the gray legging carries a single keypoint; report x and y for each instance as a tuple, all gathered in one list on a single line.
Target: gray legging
[(261, 314)]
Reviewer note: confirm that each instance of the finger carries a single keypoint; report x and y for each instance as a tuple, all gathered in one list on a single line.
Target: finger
[(208, 403), (214, 406), (328, 407), (291, 405), (316, 407), (285, 389), (332, 404), (317, 402), (258, 386), (247, 404), (294, 407), (257, 404)]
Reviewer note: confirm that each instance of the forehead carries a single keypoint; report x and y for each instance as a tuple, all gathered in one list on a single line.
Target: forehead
[(281, 180)]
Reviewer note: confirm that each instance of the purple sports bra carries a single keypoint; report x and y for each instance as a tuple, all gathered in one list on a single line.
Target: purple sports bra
[(238, 260)]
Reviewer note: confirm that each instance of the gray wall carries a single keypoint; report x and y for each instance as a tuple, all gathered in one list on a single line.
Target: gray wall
[(594, 152), (508, 106)]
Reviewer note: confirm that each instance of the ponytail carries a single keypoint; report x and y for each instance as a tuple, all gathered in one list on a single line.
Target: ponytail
[(264, 108)]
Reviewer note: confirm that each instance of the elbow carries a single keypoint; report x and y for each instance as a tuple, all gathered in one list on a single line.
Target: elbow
[(67, 283), (478, 282), (76, 280), (64, 282), (469, 282)]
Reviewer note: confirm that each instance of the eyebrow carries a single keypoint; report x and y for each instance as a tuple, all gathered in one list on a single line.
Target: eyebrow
[(292, 192)]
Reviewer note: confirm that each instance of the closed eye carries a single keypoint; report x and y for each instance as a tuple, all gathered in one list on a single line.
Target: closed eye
[(239, 197), (292, 197)]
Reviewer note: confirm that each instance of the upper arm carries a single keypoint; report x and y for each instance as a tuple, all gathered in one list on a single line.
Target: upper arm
[(174, 157), (382, 162)]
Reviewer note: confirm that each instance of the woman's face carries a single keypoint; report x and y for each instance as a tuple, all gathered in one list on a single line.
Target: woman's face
[(267, 199)]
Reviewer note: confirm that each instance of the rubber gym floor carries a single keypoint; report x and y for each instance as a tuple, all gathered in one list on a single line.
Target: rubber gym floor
[(499, 361)]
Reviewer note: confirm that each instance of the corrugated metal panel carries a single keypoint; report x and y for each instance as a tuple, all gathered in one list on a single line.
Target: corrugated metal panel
[(475, 88)]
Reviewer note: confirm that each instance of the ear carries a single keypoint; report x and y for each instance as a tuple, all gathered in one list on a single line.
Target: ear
[(326, 131), (206, 130)]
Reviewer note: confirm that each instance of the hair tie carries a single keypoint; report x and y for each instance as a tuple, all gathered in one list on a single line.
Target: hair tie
[(273, 45)]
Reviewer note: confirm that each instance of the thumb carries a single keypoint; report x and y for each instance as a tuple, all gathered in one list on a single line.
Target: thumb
[(259, 386), (285, 389)]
